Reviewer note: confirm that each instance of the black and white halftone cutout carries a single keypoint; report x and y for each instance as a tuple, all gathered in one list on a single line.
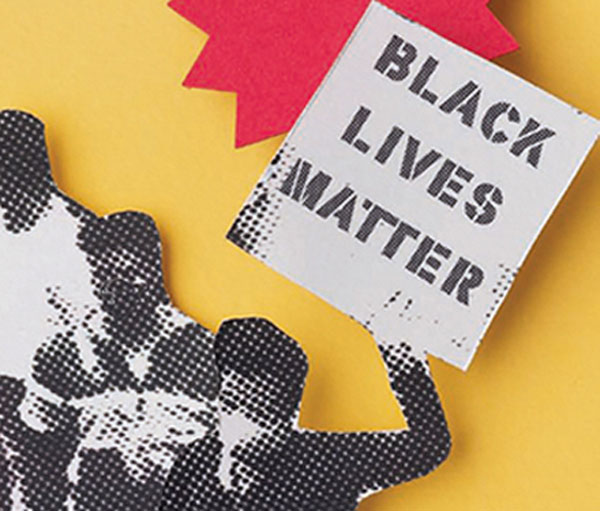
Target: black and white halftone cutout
[(261, 460), (102, 380), (105, 387)]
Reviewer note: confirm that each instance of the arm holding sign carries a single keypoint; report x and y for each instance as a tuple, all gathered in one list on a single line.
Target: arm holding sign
[(388, 458)]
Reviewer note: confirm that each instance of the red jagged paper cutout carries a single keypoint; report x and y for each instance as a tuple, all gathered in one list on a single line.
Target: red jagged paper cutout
[(274, 53)]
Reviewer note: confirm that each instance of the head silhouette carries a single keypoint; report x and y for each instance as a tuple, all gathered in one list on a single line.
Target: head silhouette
[(102, 380), (265, 461), (259, 361)]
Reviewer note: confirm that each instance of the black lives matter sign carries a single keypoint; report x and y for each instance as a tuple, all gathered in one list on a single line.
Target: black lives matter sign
[(412, 187)]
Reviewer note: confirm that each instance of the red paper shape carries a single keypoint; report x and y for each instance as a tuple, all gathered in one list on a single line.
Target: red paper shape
[(274, 53)]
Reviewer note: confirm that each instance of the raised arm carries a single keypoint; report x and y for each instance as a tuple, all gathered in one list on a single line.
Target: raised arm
[(269, 463), (378, 460)]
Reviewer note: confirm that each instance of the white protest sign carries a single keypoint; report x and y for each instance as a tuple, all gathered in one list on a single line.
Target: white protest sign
[(414, 184)]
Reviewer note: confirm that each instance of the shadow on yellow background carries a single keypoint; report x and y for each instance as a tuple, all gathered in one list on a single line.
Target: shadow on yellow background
[(105, 77)]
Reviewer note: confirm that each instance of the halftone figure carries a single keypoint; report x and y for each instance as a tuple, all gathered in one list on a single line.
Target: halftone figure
[(102, 380), (263, 461)]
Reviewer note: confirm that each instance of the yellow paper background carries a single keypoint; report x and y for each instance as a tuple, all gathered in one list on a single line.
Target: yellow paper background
[(105, 77)]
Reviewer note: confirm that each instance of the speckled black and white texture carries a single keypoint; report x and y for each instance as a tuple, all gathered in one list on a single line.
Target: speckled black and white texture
[(254, 226), (105, 386), (102, 381), (261, 460)]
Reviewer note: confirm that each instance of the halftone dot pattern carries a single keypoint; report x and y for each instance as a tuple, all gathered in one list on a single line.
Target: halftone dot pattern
[(506, 276), (253, 229), (125, 384), (264, 221), (25, 194), (267, 462), (123, 381)]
